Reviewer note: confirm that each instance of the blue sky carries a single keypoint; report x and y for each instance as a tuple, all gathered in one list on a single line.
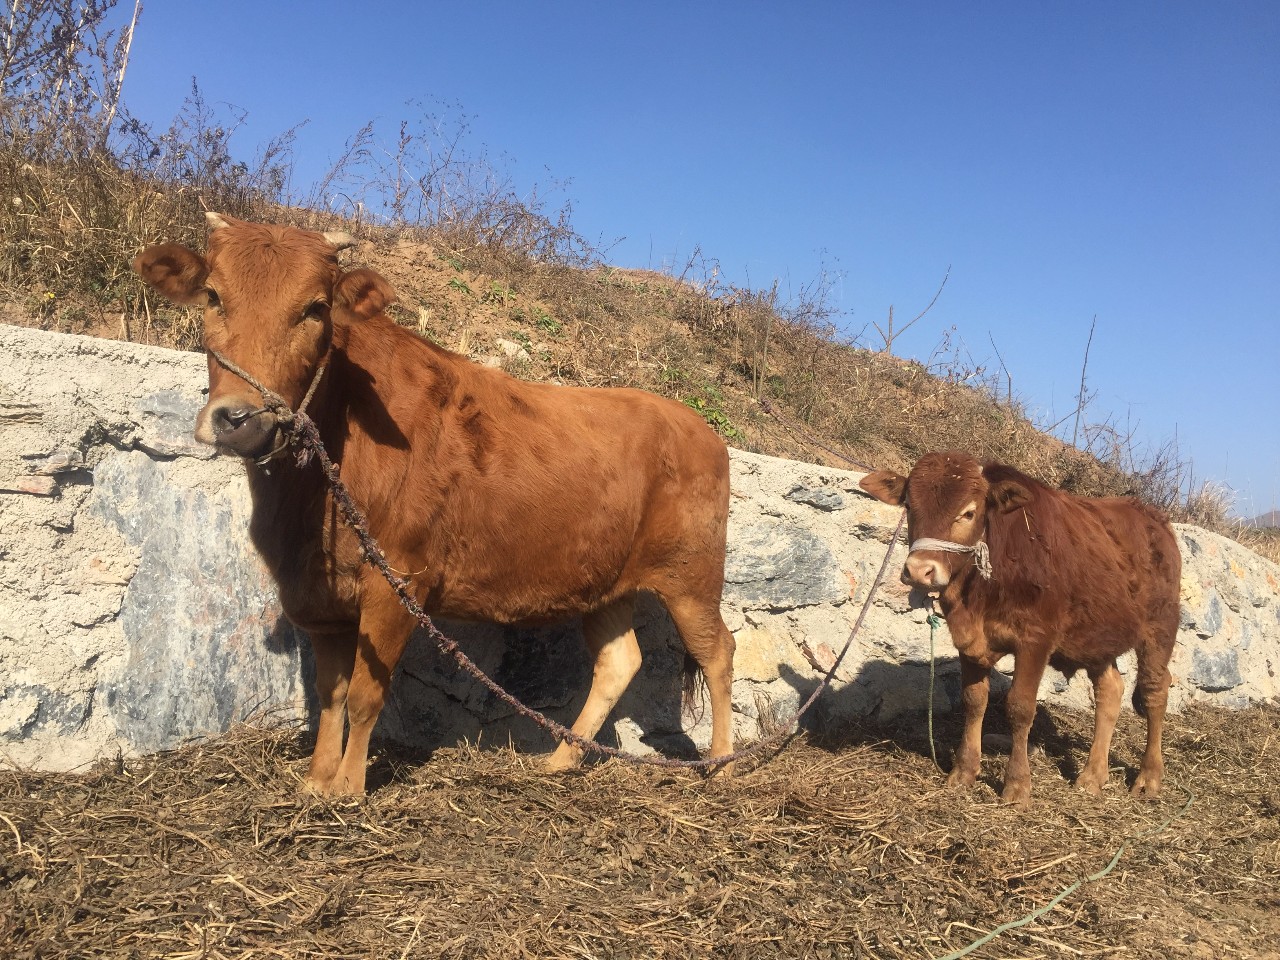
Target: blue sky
[(1066, 161)]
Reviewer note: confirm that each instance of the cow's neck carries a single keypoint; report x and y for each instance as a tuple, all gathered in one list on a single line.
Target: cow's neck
[(377, 391)]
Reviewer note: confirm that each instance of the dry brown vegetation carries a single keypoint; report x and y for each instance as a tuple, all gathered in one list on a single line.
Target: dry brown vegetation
[(850, 849)]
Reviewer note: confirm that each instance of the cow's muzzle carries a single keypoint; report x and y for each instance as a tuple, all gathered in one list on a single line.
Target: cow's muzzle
[(234, 426), (930, 573)]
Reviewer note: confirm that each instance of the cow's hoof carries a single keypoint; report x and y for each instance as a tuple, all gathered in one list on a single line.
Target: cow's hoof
[(722, 772), (311, 787), (962, 779), (1090, 784), (1018, 794), (559, 762)]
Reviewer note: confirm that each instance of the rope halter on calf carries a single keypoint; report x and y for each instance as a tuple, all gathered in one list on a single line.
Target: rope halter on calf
[(981, 555)]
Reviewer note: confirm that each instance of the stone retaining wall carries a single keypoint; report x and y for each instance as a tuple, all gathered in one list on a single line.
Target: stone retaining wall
[(135, 616)]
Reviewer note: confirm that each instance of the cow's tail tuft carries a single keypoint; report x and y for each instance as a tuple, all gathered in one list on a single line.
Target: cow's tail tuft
[(694, 690)]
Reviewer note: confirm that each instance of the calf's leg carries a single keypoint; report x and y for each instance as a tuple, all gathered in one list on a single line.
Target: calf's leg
[(1151, 697), (711, 645), (1108, 688), (975, 686), (335, 655), (612, 642), (1028, 668)]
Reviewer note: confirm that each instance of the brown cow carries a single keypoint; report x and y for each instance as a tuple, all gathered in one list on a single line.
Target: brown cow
[(511, 502), (1072, 583)]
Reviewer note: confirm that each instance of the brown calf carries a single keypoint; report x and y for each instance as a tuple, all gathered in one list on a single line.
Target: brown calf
[(1073, 583), (511, 502)]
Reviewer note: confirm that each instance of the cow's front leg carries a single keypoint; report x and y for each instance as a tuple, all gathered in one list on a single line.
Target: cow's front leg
[(335, 655), (1028, 668), (384, 631), (975, 685)]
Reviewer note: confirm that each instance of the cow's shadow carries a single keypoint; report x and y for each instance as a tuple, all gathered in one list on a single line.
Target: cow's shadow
[(886, 703), (434, 703)]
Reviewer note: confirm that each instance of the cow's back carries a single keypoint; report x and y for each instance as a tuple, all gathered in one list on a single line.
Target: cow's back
[(539, 498), (1103, 574)]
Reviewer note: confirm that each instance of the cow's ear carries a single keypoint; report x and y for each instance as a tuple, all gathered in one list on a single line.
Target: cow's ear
[(1006, 495), (886, 486), (174, 271), (363, 292)]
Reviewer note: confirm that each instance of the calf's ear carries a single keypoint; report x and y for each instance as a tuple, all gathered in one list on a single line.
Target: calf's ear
[(1008, 495), (886, 486), (174, 271), (363, 292)]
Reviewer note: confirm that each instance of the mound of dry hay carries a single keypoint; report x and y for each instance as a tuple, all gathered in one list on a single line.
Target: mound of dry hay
[(833, 850)]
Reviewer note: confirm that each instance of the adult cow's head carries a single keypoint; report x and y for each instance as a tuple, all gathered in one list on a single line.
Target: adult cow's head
[(271, 295), (949, 498)]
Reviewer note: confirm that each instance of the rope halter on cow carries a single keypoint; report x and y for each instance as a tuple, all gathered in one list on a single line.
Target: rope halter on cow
[(981, 554), (276, 405)]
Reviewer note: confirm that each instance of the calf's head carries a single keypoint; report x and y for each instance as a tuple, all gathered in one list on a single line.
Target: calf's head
[(949, 498), (270, 296)]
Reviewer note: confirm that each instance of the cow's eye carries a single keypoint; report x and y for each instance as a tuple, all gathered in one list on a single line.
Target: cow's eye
[(968, 515), (215, 302), (315, 311)]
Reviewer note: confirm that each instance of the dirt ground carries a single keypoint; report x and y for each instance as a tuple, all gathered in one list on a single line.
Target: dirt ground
[(851, 849)]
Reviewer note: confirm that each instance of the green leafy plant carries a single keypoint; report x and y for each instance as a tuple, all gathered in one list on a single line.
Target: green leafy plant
[(709, 403), (548, 323), (498, 293)]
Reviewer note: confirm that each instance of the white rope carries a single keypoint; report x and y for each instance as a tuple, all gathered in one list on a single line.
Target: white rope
[(981, 555)]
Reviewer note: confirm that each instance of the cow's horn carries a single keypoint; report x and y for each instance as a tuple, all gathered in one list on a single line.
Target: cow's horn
[(340, 239), (216, 221)]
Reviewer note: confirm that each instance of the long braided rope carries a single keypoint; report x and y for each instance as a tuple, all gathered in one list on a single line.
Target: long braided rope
[(300, 431)]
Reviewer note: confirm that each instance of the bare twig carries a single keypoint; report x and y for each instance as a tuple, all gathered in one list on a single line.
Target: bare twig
[(1081, 398)]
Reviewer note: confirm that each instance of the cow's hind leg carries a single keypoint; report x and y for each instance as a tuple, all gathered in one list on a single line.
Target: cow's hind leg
[(1108, 688), (612, 642), (1151, 697), (1028, 668), (384, 630), (711, 645), (335, 655)]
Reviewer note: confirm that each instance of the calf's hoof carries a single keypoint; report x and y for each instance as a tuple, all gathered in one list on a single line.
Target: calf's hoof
[(1146, 786), (962, 778)]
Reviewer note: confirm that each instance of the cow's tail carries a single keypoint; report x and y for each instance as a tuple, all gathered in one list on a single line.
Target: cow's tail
[(694, 690)]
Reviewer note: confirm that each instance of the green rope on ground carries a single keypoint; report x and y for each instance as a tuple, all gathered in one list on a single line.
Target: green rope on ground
[(1041, 911), (934, 622)]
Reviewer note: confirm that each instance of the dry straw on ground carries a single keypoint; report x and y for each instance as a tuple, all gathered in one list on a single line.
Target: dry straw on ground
[(825, 850)]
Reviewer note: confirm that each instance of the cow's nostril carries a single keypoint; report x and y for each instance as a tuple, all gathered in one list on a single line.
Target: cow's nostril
[(234, 417)]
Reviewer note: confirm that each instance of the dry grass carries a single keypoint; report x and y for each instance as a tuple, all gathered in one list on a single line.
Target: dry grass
[(838, 849)]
